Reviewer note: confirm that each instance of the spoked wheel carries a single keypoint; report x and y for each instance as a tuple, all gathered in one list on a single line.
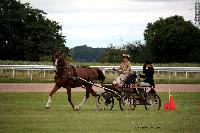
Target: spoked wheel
[(106, 101), (152, 101), (127, 102)]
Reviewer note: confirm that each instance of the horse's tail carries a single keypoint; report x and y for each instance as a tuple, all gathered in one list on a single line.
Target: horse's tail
[(101, 75)]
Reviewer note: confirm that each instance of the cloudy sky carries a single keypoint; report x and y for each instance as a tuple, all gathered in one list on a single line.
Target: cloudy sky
[(98, 23)]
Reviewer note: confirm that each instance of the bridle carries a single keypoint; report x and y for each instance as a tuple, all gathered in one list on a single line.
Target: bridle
[(67, 65)]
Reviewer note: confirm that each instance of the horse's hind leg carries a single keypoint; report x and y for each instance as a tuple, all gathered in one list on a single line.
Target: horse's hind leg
[(84, 98), (88, 91), (50, 96), (82, 102), (96, 99), (94, 94)]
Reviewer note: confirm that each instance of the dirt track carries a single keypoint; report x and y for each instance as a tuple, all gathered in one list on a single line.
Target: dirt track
[(35, 87)]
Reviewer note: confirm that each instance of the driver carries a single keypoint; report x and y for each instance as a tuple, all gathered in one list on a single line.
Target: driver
[(148, 71), (124, 70)]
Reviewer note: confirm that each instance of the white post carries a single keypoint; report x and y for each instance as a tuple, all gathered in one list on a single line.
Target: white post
[(158, 73), (44, 74), (13, 72), (32, 73), (175, 73), (169, 84), (186, 75), (28, 73)]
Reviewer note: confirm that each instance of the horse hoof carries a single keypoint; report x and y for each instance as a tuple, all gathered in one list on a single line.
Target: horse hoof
[(100, 109), (47, 107), (76, 109)]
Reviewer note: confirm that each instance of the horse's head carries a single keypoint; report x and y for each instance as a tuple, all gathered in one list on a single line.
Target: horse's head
[(58, 56)]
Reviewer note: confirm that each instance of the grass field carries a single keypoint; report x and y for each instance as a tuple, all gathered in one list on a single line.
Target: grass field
[(25, 113)]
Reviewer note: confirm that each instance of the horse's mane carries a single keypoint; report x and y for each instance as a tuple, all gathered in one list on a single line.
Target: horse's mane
[(61, 67), (61, 62)]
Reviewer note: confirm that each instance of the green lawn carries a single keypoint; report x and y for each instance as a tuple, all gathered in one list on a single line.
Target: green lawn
[(24, 112)]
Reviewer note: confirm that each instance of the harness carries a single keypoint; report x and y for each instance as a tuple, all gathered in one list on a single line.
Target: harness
[(73, 77), (74, 81), (75, 71), (63, 75)]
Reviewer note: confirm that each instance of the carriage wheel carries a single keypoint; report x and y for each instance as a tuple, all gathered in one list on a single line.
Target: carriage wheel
[(127, 103), (152, 101), (106, 101)]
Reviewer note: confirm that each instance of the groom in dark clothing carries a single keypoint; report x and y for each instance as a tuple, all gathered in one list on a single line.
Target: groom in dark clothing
[(148, 71)]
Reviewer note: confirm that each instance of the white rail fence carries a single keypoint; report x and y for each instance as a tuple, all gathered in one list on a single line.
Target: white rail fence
[(28, 68), (44, 68)]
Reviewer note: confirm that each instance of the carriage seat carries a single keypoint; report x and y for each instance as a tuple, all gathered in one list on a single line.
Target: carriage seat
[(131, 78)]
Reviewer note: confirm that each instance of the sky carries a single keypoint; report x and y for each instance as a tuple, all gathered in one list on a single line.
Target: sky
[(98, 23)]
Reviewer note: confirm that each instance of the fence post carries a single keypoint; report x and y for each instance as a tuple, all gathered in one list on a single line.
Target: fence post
[(1, 71), (32, 73), (175, 73), (186, 74), (28, 72), (158, 73), (13, 72), (44, 73)]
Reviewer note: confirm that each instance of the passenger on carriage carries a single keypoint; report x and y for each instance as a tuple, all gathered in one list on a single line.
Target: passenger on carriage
[(148, 71), (124, 70)]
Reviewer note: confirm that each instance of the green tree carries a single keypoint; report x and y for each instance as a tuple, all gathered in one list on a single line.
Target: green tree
[(173, 40), (87, 54), (138, 51), (113, 54), (26, 33)]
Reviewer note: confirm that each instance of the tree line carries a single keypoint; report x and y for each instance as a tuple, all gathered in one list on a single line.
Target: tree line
[(87, 54), (166, 40), (27, 34)]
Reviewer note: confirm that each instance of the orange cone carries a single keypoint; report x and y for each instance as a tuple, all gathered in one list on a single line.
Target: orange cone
[(170, 105), (166, 106)]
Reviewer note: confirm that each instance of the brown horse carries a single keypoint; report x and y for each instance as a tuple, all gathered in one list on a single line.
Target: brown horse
[(65, 77)]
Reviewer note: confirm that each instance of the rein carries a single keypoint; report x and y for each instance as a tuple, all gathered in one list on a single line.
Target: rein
[(93, 84)]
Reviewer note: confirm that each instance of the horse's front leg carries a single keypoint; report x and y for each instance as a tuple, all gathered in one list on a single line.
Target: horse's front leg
[(50, 96), (69, 97)]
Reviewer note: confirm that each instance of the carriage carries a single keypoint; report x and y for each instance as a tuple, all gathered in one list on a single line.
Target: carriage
[(129, 95)]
